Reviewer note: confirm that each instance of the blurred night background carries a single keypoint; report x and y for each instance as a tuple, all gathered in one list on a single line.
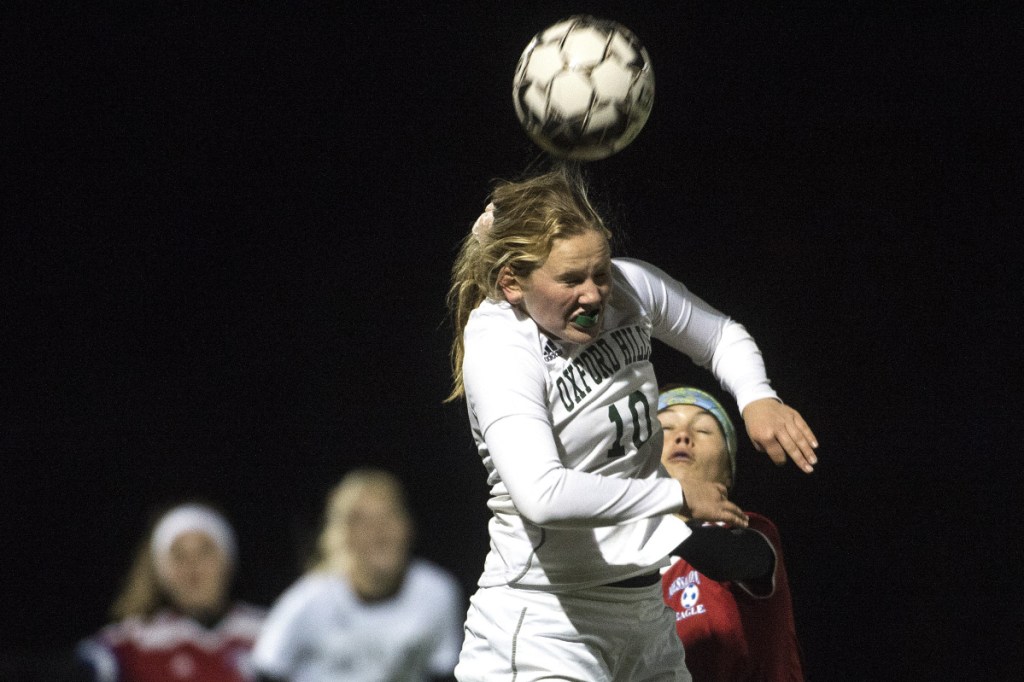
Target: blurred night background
[(227, 229)]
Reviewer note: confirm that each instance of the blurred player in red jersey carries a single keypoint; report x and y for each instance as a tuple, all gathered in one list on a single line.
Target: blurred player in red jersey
[(175, 619), (737, 625)]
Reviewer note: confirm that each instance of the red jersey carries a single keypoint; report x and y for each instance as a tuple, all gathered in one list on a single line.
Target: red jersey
[(173, 648), (728, 633)]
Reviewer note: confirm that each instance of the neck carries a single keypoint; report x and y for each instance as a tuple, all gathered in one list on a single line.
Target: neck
[(207, 617), (372, 586)]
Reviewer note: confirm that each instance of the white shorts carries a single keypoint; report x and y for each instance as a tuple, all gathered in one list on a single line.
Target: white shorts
[(602, 634)]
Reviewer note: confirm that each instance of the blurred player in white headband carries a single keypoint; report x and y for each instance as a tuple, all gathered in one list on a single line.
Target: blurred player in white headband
[(175, 617)]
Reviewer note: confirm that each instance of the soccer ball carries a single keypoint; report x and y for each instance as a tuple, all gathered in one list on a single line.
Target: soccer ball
[(583, 88)]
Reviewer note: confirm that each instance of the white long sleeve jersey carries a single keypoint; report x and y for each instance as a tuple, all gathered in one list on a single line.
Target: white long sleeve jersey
[(569, 434), (319, 630)]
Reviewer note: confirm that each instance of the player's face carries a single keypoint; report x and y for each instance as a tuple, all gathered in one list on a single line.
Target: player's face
[(378, 534), (694, 445), (574, 281), (194, 573)]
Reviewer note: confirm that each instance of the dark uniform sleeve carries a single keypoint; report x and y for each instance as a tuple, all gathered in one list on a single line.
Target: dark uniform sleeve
[(723, 553)]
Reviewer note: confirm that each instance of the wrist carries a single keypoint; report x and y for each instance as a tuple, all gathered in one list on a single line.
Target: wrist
[(757, 403)]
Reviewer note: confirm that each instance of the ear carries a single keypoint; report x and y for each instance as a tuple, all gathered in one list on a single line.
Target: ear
[(509, 285)]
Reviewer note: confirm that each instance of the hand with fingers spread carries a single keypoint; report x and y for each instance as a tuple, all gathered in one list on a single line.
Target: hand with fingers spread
[(779, 430)]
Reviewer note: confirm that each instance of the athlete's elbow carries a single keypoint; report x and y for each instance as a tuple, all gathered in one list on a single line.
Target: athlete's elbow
[(541, 513), (547, 501)]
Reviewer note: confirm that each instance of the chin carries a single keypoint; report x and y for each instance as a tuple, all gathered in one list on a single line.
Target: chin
[(199, 606), (676, 469), (576, 335)]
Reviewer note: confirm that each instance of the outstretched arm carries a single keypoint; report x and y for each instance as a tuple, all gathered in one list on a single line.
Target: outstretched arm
[(713, 340)]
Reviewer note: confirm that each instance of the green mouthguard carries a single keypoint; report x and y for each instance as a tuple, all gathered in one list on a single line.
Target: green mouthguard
[(586, 320)]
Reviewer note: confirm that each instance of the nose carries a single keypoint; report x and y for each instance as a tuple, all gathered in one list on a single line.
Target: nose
[(682, 438), (590, 293)]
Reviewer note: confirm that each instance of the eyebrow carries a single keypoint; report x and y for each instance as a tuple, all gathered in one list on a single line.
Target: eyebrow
[(580, 271), (570, 274), (701, 417)]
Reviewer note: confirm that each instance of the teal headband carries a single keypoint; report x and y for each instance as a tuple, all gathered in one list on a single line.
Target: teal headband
[(687, 395)]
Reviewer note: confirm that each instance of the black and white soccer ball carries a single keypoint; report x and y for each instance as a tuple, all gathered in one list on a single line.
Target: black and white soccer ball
[(583, 88)]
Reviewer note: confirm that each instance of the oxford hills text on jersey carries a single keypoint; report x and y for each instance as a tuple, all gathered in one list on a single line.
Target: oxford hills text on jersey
[(600, 360)]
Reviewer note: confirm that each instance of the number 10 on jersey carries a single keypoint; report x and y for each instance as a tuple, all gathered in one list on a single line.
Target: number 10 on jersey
[(637, 427)]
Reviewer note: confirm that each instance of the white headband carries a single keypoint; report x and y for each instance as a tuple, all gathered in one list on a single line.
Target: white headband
[(192, 517)]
